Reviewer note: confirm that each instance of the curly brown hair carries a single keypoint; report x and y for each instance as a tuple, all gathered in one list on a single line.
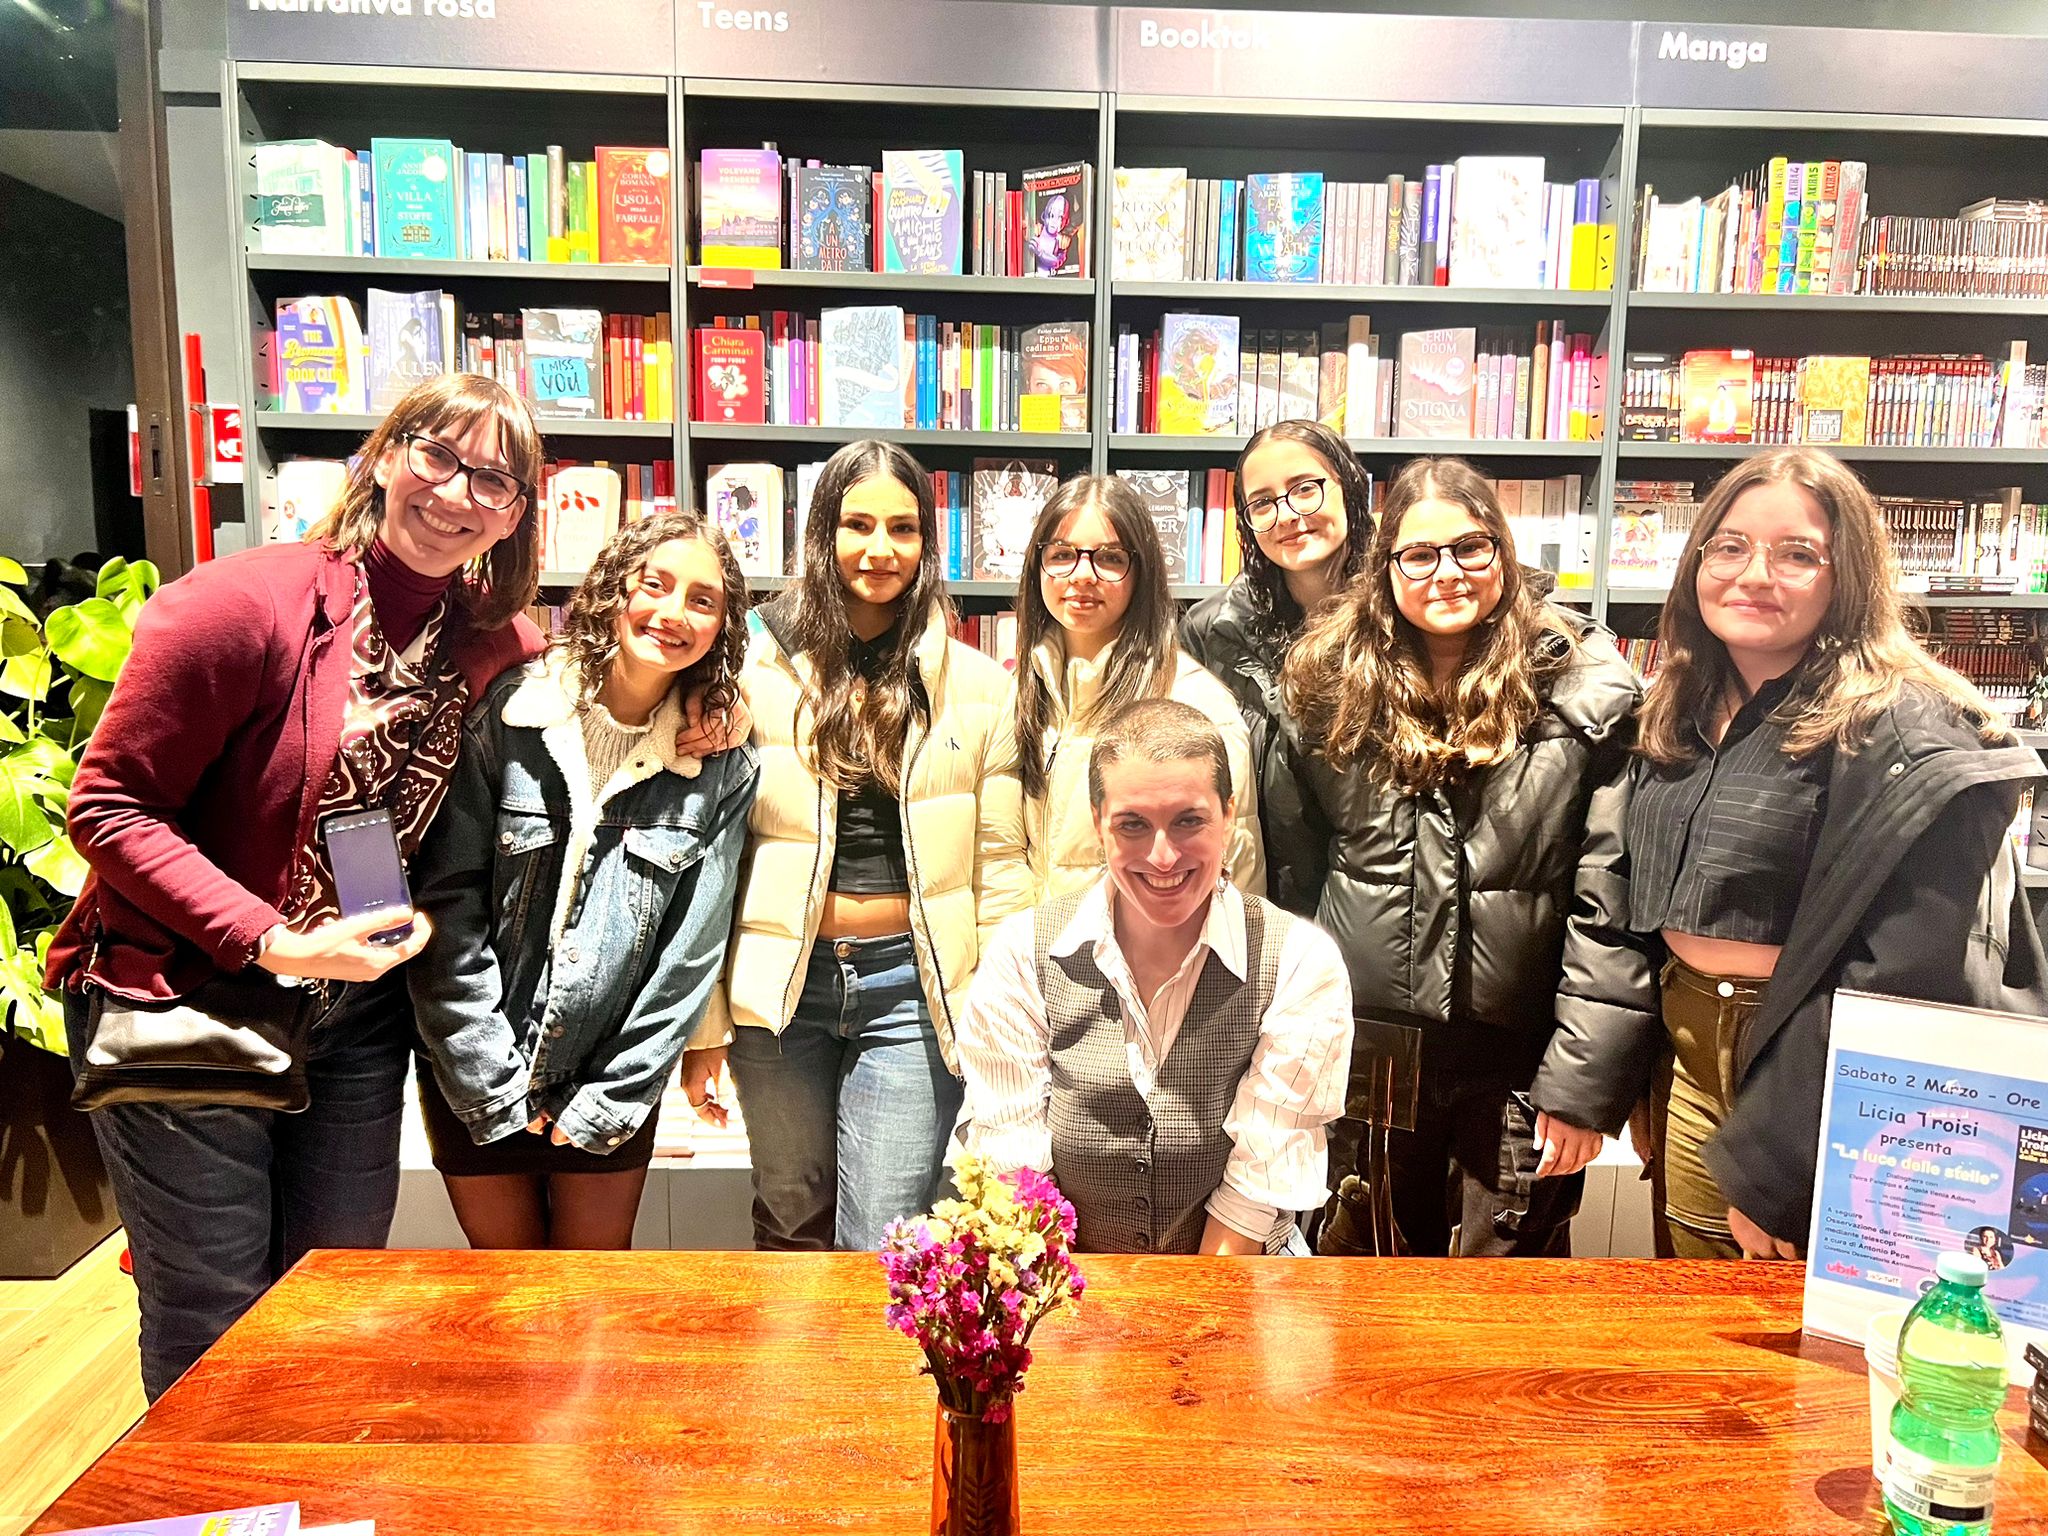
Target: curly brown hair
[(590, 635), (1359, 681), (504, 579)]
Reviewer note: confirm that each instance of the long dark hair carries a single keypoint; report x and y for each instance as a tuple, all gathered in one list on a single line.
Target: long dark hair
[(852, 741), (1862, 657), (1360, 683), (1273, 604), (504, 578), (590, 635), (1142, 663)]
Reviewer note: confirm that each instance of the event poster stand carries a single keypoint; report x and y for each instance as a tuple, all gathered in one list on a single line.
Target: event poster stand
[(1934, 1136)]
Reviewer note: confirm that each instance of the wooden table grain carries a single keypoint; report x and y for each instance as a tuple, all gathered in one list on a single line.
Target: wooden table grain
[(666, 1393)]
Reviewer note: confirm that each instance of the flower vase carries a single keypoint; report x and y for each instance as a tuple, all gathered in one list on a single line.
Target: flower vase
[(974, 1475)]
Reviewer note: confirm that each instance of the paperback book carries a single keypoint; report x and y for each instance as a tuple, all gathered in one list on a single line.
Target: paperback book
[(564, 350), (1055, 358), (1434, 386), (1283, 238), (731, 375), (1005, 496), (739, 213), (1198, 382), (415, 198), (405, 343), (633, 206), (921, 210), (1150, 223), (833, 204), (860, 366), (320, 356), (745, 501), (1058, 199)]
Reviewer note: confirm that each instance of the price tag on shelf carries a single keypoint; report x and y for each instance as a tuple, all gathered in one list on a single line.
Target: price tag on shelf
[(722, 277)]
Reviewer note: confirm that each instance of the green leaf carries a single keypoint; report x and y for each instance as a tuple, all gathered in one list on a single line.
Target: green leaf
[(14, 606), (24, 824), (58, 863), (19, 637), (26, 677), (9, 731), (127, 585), (88, 702), (12, 573), (91, 636)]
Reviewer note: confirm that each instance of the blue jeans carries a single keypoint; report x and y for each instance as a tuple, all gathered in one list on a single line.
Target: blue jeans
[(220, 1201), (849, 1109)]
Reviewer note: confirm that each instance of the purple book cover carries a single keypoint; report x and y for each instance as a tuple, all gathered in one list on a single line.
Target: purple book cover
[(261, 1520), (921, 210)]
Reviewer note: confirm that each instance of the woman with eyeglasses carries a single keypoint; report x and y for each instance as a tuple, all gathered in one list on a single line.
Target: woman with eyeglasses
[(1304, 518), (884, 846), (267, 693), (1819, 805), (1095, 632), (1465, 746)]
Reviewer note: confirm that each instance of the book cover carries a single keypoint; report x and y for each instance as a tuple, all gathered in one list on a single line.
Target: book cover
[(405, 343), (1149, 215), (259, 1520), (860, 366), (1716, 396), (1198, 379), (1434, 383), (305, 491), (1006, 495), (318, 346), (580, 505), (739, 212), (1056, 365), (921, 210), (1298, 370), (1283, 237), (1056, 205), (731, 375), (304, 199), (1165, 495), (634, 214), (1834, 393), (415, 181), (745, 502), (831, 218), (1497, 222), (564, 350)]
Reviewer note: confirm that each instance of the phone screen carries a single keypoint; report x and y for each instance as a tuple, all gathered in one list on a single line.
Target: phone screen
[(369, 875)]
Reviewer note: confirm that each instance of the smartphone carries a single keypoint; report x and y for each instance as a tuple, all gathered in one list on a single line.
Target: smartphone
[(369, 875)]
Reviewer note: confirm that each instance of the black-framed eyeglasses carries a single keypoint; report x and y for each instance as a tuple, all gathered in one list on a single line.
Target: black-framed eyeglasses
[(492, 489), (1474, 552), (1302, 498), (1793, 561), (1058, 558)]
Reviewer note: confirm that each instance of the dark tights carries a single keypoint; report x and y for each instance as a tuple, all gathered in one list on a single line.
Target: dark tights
[(558, 1210)]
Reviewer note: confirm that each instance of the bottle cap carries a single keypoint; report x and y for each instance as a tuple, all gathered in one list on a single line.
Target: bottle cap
[(1961, 1269)]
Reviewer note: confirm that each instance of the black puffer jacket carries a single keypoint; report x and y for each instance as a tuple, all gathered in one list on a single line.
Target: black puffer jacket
[(1244, 647), (1488, 910)]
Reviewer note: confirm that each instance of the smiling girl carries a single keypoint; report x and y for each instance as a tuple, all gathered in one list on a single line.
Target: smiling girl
[(1094, 633), (885, 844), (1467, 764), (1821, 805), (580, 883)]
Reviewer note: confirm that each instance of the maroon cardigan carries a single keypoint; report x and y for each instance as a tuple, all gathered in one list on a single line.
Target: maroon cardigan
[(203, 778)]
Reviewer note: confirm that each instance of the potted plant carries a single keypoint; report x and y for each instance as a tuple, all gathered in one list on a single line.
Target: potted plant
[(56, 673)]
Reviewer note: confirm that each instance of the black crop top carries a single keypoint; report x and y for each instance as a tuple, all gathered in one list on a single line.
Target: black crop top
[(1720, 846), (868, 858)]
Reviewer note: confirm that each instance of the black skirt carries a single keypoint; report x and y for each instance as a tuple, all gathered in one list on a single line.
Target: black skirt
[(524, 1152)]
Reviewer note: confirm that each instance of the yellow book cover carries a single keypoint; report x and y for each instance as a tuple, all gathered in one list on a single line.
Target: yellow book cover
[(1834, 395), (1774, 220), (1198, 381), (1716, 396)]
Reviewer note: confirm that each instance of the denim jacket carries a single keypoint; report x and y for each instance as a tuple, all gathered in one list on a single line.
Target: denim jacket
[(576, 938)]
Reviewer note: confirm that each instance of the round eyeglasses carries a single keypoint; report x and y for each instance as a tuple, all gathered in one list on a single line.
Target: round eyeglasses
[(1059, 559), (1474, 552), (492, 489), (1302, 498), (1793, 562)]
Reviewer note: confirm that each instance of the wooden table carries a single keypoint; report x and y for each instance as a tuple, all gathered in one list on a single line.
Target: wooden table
[(667, 1393)]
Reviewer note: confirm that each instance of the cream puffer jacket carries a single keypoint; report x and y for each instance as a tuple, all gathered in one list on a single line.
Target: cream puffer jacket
[(1059, 828), (963, 827)]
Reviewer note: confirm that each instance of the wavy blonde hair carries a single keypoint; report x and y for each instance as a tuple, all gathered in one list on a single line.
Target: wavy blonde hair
[(1359, 680), (1863, 655), (505, 578)]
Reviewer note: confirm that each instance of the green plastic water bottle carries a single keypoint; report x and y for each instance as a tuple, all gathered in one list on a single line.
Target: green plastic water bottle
[(1945, 1427)]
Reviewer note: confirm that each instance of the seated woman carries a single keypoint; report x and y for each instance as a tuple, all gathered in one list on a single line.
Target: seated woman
[(580, 883), (1167, 1047)]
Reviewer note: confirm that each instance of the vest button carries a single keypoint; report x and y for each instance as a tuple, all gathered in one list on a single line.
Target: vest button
[(1143, 1166), (1143, 1240)]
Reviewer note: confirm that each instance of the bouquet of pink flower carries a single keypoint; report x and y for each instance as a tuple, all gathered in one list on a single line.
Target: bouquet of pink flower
[(971, 1280)]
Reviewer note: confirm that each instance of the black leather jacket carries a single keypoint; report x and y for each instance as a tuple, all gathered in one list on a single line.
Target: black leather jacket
[(1490, 909)]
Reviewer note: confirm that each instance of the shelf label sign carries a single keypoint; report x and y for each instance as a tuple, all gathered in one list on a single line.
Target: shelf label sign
[(1284, 55), (609, 37), (989, 44), (1840, 69)]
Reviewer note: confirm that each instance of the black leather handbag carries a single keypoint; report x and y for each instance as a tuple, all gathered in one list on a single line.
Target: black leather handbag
[(239, 1039)]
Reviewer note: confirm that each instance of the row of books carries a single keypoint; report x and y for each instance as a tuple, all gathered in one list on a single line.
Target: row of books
[(1212, 375), (1987, 545), (1195, 511), (1996, 249), (757, 209), (1951, 400), (1652, 521), (878, 366), (574, 363), (1482, 221), (1791, 226), (430, 198), (994, 634)]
